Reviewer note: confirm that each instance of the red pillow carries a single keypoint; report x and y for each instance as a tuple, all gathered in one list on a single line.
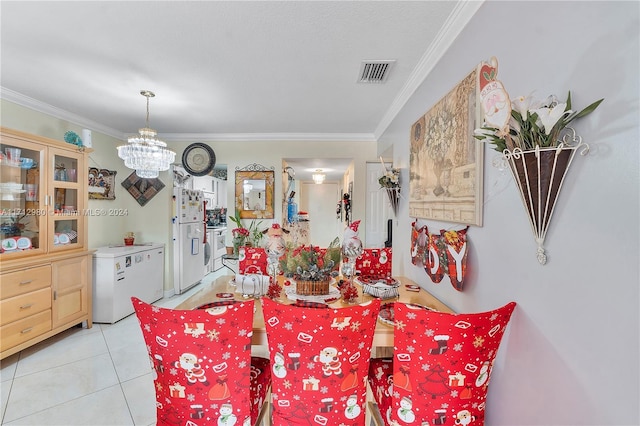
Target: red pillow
[(201, 361), (320, 359)]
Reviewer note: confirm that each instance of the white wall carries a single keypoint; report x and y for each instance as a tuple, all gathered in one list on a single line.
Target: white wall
[(571, 354)]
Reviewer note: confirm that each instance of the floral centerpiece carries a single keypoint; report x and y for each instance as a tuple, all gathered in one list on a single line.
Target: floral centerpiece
[(311, 267)]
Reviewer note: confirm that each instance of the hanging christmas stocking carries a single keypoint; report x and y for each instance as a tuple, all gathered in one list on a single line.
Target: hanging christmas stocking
[(433, 265), (419, 245), (456, 251)]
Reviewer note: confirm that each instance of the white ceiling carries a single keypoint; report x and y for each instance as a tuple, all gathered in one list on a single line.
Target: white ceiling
[(223, 70)]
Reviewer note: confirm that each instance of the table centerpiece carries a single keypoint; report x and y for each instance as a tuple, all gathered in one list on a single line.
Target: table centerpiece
[(312, 267)]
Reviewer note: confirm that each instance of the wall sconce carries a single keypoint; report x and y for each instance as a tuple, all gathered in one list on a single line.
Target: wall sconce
[(318, 176)]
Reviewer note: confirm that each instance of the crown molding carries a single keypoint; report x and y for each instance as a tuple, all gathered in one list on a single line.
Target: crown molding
[(456, 22), (34, 104), (276, 137)]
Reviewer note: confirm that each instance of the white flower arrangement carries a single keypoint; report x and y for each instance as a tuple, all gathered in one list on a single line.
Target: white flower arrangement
[(533, 124), (390, 179)]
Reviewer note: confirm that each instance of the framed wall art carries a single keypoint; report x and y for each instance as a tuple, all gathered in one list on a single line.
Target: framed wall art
[(102, 184), (446, 161), (142, 189)]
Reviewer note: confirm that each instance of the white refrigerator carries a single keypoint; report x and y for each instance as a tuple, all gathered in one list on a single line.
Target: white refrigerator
[(188, 236)]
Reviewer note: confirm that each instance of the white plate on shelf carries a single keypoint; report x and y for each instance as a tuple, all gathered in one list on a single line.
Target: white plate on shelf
[(24, 243), (63, 239), (9, 244)]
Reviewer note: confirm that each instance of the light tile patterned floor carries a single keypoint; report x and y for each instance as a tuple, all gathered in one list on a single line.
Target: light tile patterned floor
[(97, 376)]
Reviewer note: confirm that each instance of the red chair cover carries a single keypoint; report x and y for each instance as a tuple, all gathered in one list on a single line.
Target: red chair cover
[(201, 362), (441, 366), (252, 260), (319, 359), (374, 262), (260, 371)]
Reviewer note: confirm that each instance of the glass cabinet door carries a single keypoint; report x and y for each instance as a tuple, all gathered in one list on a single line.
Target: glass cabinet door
[(66, 202), (22, 200)]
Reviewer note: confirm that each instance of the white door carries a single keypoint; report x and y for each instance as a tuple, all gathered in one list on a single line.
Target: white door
[(377, 208), (320, 202)]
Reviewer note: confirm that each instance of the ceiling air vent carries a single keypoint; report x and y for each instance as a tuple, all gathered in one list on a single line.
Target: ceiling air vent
[(374, 71)]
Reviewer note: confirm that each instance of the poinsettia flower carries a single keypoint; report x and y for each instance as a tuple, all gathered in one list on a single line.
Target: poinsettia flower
[(550, 116)]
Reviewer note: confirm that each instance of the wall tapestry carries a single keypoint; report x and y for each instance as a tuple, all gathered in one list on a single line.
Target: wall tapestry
[(440, 254), (142, 189), (102, 184), (446, 161)]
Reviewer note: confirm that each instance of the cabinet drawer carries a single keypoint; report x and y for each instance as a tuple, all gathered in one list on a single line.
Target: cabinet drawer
[(25, 281), (25, 329), (25, 305)]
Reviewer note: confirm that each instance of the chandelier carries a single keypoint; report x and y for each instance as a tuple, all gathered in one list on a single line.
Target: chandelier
[(318, 176), (144, 152)]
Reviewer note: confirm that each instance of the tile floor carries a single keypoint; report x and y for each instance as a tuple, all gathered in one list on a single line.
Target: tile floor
[(97, 376)]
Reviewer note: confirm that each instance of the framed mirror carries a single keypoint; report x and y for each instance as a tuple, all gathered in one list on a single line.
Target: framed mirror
[(254, 191)]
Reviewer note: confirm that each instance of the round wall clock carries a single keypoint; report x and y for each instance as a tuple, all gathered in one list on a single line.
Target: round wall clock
[(198, 159)]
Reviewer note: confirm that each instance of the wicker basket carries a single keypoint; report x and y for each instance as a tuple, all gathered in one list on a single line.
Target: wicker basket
[(312, 288)]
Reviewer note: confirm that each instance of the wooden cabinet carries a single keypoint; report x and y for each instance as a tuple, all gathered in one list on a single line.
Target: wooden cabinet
[(45, 266)]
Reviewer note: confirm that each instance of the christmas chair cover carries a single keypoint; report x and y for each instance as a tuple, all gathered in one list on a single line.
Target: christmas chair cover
[(441, 366), (252, 260), (374, 263), (260, 374), (201, 361), (320, 359)]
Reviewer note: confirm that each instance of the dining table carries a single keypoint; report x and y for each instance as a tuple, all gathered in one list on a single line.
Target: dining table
[(223, 288)]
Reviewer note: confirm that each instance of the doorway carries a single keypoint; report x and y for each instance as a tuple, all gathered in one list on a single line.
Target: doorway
[(320, 201)]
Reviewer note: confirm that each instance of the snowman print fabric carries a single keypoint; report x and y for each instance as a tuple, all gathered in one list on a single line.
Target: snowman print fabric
[(319, 358)]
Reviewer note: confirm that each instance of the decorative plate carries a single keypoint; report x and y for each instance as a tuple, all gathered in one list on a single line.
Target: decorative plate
[(9, 244), (361, 280), (24, 243), (225, 295), (198, 159), (386, 317)]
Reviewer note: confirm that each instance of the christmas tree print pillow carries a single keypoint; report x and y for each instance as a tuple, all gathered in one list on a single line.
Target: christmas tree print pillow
[(442, 364), (319, 362), (201, 362)]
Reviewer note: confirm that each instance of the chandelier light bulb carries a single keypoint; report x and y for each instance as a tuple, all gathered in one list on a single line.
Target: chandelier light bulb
[(318, 177), (145, 153)]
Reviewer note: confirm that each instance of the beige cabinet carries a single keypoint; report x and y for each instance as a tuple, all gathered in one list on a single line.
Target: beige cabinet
[(45, 269)]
